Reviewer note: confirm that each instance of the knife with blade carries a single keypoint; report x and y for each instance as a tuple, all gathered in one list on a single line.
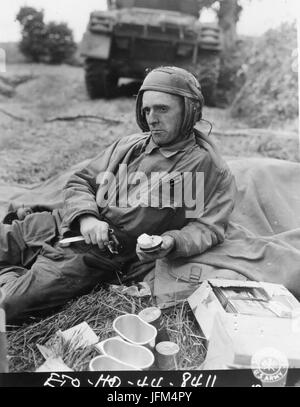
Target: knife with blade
[(113, 245), (69, 240)]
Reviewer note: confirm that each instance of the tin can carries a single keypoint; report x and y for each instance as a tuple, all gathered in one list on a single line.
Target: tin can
[(153, 316), (3, 341), (166, 355)]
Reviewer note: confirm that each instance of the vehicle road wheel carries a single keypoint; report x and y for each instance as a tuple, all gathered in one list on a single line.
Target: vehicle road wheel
[(100, 82)]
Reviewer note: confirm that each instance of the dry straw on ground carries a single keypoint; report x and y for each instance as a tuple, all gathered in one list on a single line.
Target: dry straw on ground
[(99, 309)]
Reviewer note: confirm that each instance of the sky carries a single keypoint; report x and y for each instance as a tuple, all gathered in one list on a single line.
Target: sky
[(257, 17)]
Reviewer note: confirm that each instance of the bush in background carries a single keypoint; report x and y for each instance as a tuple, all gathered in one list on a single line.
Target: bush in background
[(269, 95), (32, 44), (52, 42), (233, 70), (59, 42)]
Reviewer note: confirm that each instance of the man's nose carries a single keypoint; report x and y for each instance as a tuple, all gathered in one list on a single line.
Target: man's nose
[(152, 117)]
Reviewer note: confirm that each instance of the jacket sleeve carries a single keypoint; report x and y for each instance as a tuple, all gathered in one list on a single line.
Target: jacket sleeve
[(80, 191), (209, 229)]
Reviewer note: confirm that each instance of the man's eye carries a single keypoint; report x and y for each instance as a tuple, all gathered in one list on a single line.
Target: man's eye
[(163, 109)]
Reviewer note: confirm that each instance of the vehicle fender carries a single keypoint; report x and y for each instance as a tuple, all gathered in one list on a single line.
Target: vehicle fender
[(96, 45)]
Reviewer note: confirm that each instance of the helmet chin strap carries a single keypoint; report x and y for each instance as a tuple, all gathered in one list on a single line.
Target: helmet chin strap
[(210, 125)]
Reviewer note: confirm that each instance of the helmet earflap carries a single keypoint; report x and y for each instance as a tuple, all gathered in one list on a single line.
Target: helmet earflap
[(140, 117), (198, 111), (199, 104)]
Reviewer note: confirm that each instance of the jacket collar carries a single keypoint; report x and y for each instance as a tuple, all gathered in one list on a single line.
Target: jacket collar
[(170, 151)]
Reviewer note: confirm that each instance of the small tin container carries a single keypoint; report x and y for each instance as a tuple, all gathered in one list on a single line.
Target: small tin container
[(166, 355), (153, 316)]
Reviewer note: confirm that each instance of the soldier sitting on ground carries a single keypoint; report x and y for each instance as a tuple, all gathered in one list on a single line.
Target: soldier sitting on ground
[(113, 194)]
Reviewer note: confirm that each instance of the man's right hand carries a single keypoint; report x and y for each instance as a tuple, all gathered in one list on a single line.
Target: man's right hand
[(94, 230)]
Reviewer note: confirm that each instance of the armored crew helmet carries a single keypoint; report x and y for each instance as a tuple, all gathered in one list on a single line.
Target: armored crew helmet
[(175, 81)]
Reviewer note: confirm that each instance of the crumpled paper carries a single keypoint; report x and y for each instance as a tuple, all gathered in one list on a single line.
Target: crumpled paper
[(54, 365), (81, 335)]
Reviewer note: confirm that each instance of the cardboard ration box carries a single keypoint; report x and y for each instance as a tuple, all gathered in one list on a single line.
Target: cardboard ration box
[(241, 318)]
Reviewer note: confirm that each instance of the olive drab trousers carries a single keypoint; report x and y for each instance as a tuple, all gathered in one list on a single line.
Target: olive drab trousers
[(37, 275)]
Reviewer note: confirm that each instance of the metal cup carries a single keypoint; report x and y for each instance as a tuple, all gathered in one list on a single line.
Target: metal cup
[(128, 353), (107, 363), (134, 330)]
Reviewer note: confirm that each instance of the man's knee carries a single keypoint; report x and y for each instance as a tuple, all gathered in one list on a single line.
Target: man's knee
[(48, 284)]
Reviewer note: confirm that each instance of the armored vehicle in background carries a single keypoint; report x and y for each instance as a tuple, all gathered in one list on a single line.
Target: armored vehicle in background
[(133, 36)]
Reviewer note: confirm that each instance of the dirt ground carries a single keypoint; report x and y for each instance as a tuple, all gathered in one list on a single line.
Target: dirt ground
[(33, 149)]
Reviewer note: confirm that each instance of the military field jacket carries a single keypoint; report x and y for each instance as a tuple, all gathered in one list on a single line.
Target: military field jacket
[(138, 152)]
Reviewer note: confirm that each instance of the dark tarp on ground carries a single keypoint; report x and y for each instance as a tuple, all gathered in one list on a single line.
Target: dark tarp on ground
[(46, 194), (262, 241), (263, 238)]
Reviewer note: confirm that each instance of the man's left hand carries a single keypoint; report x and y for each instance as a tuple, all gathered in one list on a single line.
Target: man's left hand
[(168, 243)]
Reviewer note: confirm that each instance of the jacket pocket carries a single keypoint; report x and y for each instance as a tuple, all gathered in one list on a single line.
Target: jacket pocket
[(39, 228), (166, 192)]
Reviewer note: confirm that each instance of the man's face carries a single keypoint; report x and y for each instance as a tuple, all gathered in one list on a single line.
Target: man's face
[(164, 115)]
